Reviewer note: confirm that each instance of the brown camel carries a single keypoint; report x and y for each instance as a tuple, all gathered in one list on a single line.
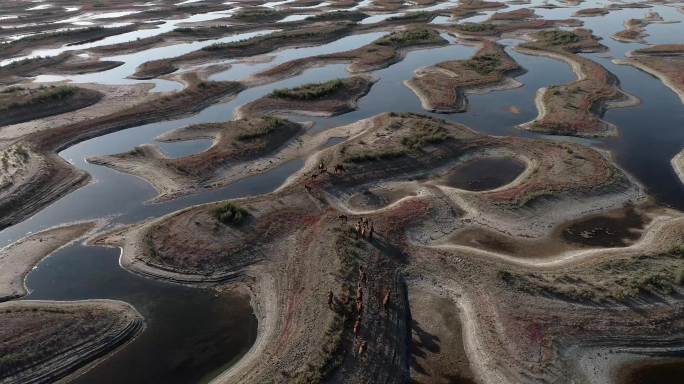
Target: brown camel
[(362, 348), (386, 300)]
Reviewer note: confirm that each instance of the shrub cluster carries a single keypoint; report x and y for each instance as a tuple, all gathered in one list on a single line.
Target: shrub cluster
[(40, 96), (309, 91), (270, 124), (475, 27), (410, 36), (484, 64), (557, 37), (231, 214)]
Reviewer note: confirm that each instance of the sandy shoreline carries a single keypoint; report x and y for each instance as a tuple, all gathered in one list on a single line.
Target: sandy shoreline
[(678, 165)]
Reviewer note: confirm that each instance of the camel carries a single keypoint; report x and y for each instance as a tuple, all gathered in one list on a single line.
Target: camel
[(339, 168), (386, 300), (362, 348)]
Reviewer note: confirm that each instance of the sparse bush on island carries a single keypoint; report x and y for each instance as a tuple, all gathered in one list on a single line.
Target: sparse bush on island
[(369, 155), (425, 133), (35, 97), (475, 27), (410, 36), (484, 64), (557, 37), (412, 16), (309, 91), (273, 38), (231, 214), (338, 15), (253, 15), (270, 124)]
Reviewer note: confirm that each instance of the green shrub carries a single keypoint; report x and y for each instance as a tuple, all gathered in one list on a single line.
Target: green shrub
[(366, 156), (231, 214), (338, 15)]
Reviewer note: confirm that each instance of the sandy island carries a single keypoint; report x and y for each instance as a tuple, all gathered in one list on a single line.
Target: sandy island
[(329, 98), (442, 87), (575, 108)]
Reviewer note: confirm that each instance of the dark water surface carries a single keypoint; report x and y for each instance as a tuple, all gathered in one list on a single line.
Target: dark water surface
[(484, 174), (192, 334), (669, 370)]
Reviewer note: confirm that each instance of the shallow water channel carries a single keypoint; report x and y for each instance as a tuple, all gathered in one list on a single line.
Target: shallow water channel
[(193, 334)]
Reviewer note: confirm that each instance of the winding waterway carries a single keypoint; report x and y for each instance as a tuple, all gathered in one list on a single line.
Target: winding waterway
[(193, 334)]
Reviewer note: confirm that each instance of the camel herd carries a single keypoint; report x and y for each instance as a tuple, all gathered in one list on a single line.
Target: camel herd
[(386, 303), (339, 168)]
